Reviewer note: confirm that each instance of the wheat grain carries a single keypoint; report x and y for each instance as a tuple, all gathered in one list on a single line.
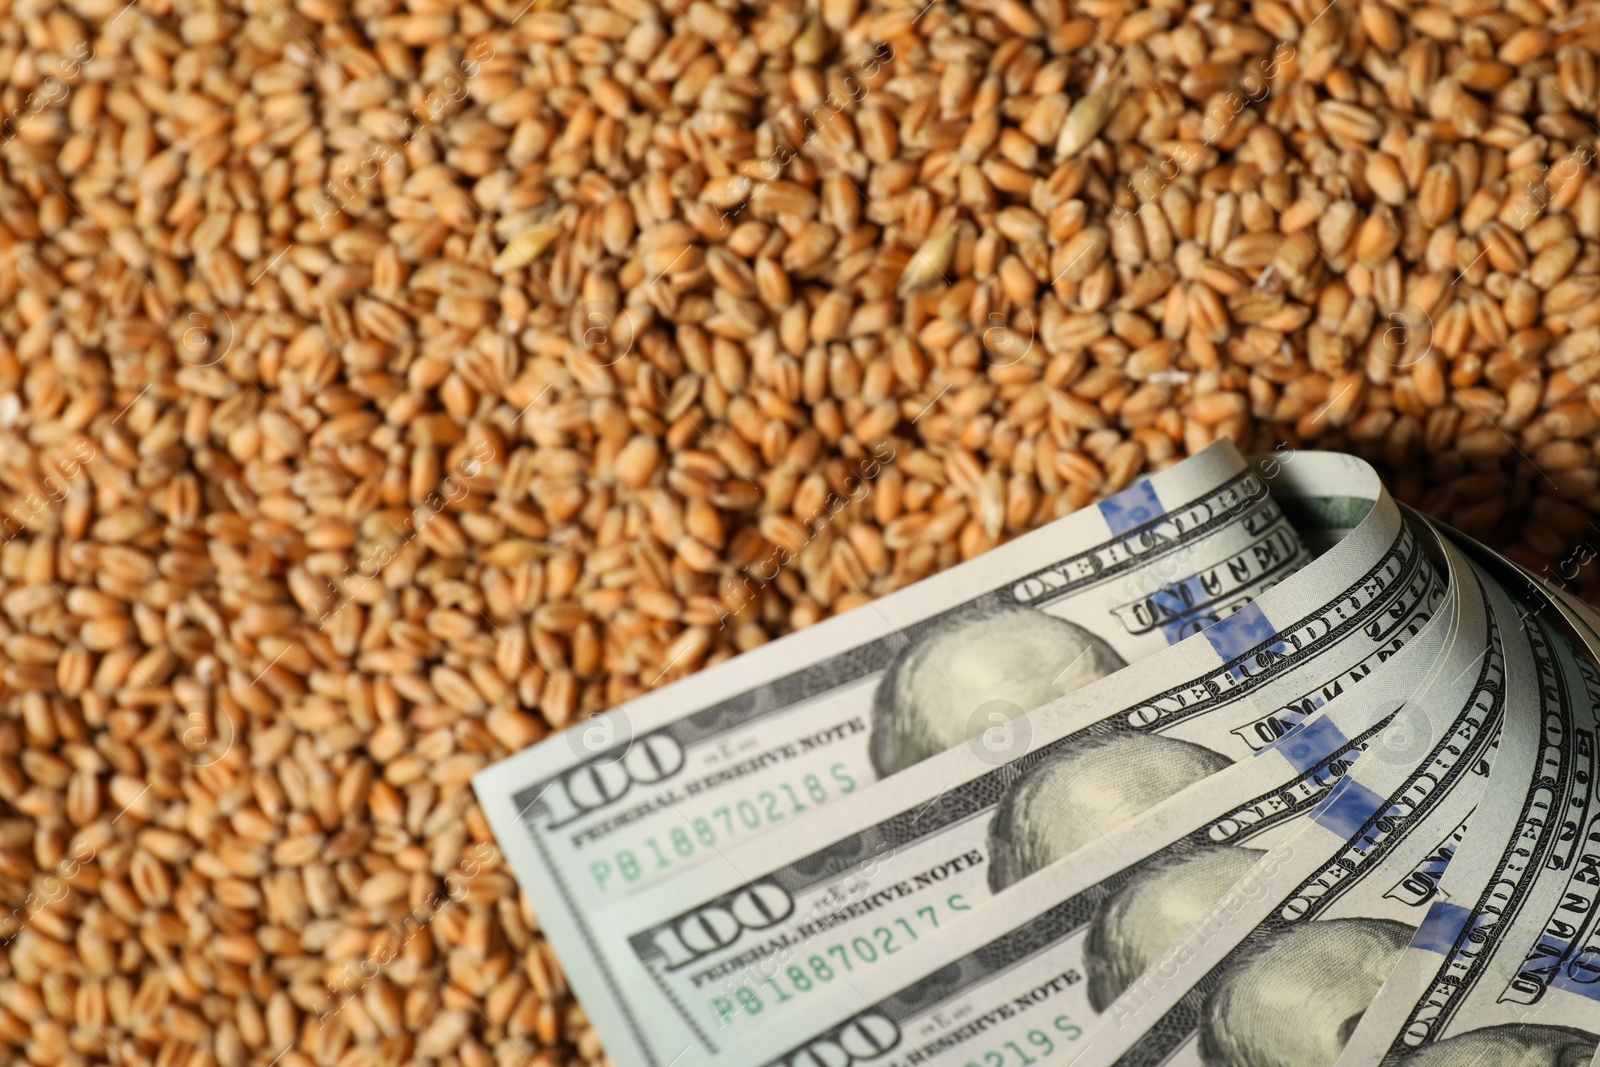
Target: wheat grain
[(382, 391)]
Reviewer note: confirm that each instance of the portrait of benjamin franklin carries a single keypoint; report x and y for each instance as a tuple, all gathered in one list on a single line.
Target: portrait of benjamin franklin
[(940, 689), (1292, 997), (1514, 1045), (1072, 798)]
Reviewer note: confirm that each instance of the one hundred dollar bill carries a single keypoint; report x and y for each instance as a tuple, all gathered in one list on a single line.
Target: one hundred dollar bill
[(1503, 967), (1279, 967), (680, 775), (1030, 969), (707, 957)]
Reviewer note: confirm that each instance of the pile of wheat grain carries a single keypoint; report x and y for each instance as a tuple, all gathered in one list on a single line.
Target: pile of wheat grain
[(383, 386)]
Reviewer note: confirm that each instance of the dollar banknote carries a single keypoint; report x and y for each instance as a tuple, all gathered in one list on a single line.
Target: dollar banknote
[(1285, 962), (684, 773), (1246, 767), (709, 956), (1503, 969), (1034, 968)]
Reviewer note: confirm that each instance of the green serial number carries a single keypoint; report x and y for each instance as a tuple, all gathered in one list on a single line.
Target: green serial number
[(1012, 1054), (734, 820), (785, 985)]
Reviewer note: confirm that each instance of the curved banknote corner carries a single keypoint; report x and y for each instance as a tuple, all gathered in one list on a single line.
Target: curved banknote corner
[(1245, 766)]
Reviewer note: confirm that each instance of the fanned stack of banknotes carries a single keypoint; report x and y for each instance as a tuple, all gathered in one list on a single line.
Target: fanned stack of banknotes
[(1247, 765)]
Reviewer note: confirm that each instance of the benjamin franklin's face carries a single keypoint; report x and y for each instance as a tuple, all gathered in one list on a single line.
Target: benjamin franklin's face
[(938, 692), (1158, 905), (1516, 1045), (1295, 998), (1072, 799)]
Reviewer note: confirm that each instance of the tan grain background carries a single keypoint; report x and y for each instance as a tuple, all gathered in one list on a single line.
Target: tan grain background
[(385, 385)]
